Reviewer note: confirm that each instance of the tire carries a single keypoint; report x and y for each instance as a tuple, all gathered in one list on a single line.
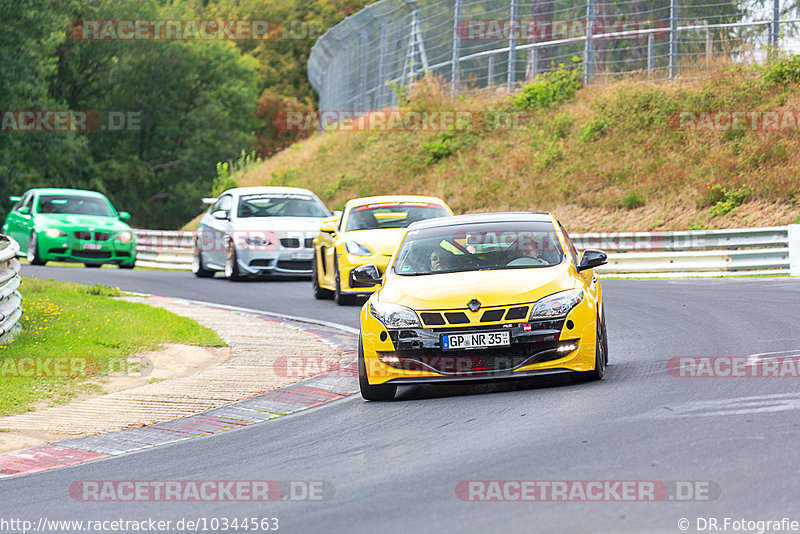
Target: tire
[(232, 265), (342, 299), (198, 268), (93, 265), (33, 251), (600, 357), (383, 392), (127, 265), (319, 292)]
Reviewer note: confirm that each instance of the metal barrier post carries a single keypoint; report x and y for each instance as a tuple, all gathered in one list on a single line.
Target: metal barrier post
[(455, 74), (512, 45), (588, 60), (776, 24), (673, 39), (650, 53), (794, 249)]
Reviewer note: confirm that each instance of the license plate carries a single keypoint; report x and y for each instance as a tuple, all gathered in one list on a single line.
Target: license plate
[(303, 255), (92, 246), (476, 340)]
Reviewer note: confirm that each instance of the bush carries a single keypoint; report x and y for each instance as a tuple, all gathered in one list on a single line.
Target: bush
[(447, 143), (632, 201), (551, 88), (594, 130), (731, 198), (782, 70)]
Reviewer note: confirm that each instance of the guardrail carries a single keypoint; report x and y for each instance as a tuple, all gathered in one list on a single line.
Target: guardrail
[(10, 299), (736, 252)]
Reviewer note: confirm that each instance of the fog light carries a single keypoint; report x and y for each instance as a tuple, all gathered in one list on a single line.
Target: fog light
[(390, 359), (567, 348)]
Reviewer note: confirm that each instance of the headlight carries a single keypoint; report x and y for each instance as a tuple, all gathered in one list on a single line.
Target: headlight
[(357, 249), (557, 305), (54, 232), (394, 316), (255, 241), (124, 237)]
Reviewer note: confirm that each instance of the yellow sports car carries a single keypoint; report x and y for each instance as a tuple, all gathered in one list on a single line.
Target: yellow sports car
[(367, 233), (477, 297)]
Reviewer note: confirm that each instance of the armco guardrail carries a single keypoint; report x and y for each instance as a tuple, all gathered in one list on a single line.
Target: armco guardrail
[(10, 299), (737, 252)]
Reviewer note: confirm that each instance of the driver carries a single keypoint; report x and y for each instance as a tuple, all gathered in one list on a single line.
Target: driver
[(441, 260)]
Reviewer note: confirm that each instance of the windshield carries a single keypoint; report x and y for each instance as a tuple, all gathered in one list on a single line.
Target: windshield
[(392, 214), (280, 205), (478, 247), (75, 205)]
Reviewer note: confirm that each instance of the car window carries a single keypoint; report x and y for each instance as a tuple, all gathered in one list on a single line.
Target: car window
[(280, 205), (24, 201), (223, 204), (75, 205), (572, 250), (392, 214), (479, 247)]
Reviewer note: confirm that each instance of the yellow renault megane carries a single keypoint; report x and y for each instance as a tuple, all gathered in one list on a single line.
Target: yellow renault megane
[(482, 297), (366, 233)]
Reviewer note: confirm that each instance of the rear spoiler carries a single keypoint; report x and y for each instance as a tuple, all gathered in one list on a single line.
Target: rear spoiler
[(209, 200)]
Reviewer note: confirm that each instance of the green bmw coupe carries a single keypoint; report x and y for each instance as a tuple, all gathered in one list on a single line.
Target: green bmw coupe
[(71, 225)]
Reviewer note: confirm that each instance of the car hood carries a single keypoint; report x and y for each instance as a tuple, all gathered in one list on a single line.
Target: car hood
[(502, 287), (81, 222), (307, 225), (383, 241)]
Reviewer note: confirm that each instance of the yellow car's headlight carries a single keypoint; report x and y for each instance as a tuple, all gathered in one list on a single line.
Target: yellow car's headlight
[(394, 315), (557, 305), (357, 249), (54, 232), (124, 237)]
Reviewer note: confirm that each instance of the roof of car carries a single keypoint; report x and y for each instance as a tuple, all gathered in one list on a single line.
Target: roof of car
[(394, 198), (476, 218), (267, 189), (65, 191)]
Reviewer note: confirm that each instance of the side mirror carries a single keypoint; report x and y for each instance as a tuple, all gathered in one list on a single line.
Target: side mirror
[(328, 226), (14, 198), (592, 258), (124, 216), (221, 215), (366, 275), (24, 210)]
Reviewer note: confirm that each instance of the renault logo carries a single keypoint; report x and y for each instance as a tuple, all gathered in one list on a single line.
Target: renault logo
[(474, 305)]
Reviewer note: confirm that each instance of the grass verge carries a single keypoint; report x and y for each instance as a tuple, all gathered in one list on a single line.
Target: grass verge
[(73, 335)]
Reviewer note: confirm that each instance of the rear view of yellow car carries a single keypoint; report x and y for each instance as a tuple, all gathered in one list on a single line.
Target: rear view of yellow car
[(483, 297), (366, 234)]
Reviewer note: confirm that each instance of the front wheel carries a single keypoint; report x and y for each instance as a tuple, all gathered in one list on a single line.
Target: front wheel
[(342, 299), (600, 357), (320, 293), (33, 251), (232, 265), (382, 392), (127, 265), (198, 267)]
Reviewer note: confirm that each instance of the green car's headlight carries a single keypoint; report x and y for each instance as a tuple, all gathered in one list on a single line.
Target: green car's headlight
[(557, 305), (357, 249), (124, 237), (54, 232), (394, 316)]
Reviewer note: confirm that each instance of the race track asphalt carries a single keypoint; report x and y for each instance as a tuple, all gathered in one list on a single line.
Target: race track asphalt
[(395, 465)]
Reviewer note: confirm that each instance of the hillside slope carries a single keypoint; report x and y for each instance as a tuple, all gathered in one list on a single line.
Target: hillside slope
[(606, 158)]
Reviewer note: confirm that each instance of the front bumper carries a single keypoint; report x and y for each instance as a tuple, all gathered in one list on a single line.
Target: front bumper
[(71, 249), (282, 262), (414, 356)]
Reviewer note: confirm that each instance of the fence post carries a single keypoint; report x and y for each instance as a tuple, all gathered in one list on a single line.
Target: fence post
[(455, 65), (709, 43), (776, 24), (588, 52), (673, 39), (382, 60), (512, 45), (650, 53), (794, 249), (490, 73), (533, 64)]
